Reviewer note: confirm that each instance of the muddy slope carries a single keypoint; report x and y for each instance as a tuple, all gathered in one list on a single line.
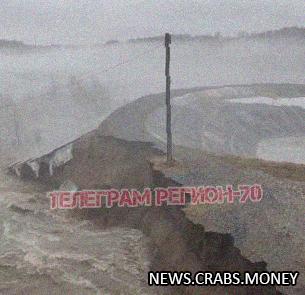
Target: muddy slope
[(176, 243)]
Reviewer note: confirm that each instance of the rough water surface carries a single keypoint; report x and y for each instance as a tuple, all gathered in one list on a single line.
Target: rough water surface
[(48, 252)]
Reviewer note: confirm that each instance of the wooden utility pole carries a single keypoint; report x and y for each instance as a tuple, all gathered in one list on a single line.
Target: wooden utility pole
[(168, 100)]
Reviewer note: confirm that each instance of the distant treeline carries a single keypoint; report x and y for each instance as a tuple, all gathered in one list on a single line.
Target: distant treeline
[(284, 33), (14, 44), (180, 37), (291, 32)]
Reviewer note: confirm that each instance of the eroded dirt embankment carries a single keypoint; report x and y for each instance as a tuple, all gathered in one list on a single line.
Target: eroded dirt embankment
[(176, 243)]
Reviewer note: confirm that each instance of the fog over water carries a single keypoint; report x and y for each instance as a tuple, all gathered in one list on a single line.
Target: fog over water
[(80, 87), (128, 71)]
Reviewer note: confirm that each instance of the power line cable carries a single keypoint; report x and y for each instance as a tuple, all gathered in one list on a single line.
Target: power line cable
[(131, 59)]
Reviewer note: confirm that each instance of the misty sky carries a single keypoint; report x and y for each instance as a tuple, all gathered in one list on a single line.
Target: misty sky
[(81, 21)]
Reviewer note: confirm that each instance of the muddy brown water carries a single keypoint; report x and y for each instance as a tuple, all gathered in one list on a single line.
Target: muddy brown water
[(176, 244)]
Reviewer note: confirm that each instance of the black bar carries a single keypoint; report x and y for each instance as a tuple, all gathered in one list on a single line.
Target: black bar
[(168, 97)]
